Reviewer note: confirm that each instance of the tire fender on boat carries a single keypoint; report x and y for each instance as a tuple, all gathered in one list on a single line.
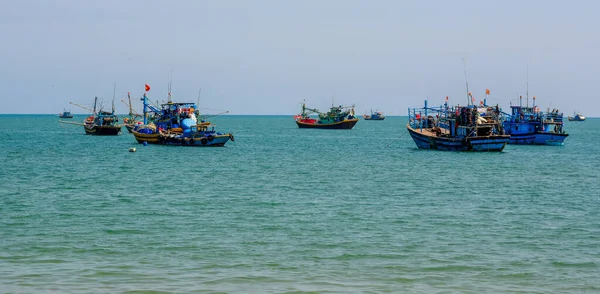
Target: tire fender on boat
[(203, 141), (231, 137), (210, 137), (191, 141)]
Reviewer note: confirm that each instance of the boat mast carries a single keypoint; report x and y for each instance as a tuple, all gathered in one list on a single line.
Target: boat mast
[(130, 109), (95, 101), (466, 82)]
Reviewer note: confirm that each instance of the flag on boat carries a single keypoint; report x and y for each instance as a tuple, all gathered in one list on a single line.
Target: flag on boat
[(147, 87)]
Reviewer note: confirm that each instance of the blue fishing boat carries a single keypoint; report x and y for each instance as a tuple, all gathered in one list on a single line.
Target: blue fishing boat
[(338, 117), (528, 125), (176, 123), (65, 114), (576, 117), (375, 115), (460, 128)]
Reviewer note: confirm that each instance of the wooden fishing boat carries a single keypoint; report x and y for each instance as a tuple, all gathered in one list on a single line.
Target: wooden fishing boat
[(461, 128), (102, 123), (176, 124), (375, 115), (338, 117), (530, 126)]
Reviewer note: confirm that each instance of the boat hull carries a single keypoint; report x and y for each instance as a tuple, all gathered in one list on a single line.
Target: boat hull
[(103, 130), (541, 138), (553, 139), (129, 127), (381, 118), (155, 138), (522, 139), (425, 140), (346, 124)]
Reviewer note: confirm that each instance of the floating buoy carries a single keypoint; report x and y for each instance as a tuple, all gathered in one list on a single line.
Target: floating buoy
[(132, 149), (145, 143)]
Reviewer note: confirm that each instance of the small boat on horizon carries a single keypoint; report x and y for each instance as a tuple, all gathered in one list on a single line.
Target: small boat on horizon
[(576, 117), (375, 115), (65, 114), (338, 117)]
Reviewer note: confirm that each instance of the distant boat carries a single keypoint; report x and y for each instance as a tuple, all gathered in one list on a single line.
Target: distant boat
[(462, 128), (576, 117), (375, 115), (65, 114), (338, 117)]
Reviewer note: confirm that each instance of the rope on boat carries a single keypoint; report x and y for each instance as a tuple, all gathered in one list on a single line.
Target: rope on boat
[(405, 132)]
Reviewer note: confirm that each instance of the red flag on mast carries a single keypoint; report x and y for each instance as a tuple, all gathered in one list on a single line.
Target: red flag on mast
[(147, 87)]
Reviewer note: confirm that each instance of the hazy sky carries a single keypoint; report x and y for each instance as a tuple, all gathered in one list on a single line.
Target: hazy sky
[(264, 57)]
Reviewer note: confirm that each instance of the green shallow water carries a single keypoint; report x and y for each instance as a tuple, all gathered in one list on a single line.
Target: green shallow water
[(288, 210)]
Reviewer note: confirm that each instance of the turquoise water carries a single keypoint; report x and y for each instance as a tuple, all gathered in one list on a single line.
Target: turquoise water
[(288, 210)]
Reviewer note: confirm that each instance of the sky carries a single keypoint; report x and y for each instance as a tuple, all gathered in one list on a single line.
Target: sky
[(266, 57)]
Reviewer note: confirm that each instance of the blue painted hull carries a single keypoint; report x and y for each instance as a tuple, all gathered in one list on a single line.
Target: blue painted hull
[(494, 143), (522, 139), (541, 138), (154, 138), (550, 139)]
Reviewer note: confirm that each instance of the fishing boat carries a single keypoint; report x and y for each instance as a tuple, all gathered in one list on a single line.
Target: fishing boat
[(528, 125), (576, 117), (460, 128), (176, 123), (375, 115), (338, 117), (102, 123), (65, 114)]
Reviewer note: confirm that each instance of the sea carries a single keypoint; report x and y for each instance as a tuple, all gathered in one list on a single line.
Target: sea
[(289, 210)]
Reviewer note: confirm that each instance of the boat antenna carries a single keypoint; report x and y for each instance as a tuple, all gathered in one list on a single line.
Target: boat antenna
[(113, 101), (199, 92), (527, 87), (169, 87), (198, 103), (466, 81)]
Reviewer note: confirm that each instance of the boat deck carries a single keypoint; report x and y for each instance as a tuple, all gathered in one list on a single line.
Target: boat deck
[(431, 132)]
